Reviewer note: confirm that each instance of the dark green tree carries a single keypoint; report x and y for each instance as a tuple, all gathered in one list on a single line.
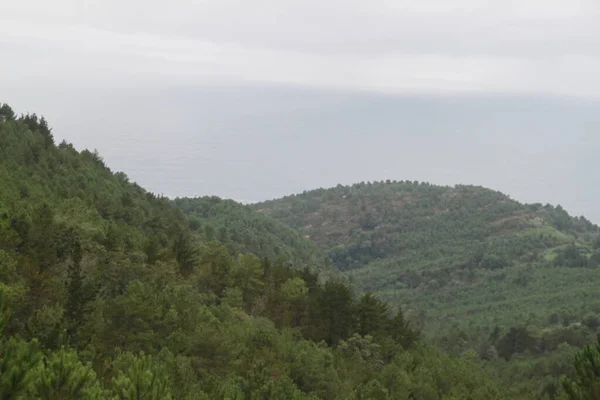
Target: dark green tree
[(333, 313), (586, 383), (371, 315), (75, 291), (6, 113), (186, 253), (18, 362)]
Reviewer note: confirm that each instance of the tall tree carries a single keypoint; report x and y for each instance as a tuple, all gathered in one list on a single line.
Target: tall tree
[(371, 315), (332, 313), (186, 253), (586, 384)]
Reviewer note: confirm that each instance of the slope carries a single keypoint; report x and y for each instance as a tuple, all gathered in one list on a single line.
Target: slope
[(242, 230), (461, 254)]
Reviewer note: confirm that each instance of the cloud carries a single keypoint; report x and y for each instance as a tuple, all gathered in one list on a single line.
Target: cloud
[(467, 46)]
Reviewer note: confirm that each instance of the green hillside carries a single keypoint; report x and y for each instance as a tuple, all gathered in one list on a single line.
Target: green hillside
[(480, 271), (242, 230), (426, 246), (107, 293)]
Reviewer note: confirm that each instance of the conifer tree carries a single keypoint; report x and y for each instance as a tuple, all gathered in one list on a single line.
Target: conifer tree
[(586, 384), (142, 378), (18, 361), (65, 377)]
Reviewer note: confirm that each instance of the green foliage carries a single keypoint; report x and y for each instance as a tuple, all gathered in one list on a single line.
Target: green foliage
[(18, 364), (63, 376), (459, 261), (242, 230), (586, 383), (6, 113), (141, 377), (186, 253), (371, 314)]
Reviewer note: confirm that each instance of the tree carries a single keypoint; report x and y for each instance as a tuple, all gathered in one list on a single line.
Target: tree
[(586, 384), (41, 240), (372, 390), (248, 276), (516, 340), (18, 363), (6, 113), (65, 377), (294, 293), (215, 268), (401, 331), (591, 320), (371, 315), (332, 313), (186, 253), (75, 292), (141, 378)]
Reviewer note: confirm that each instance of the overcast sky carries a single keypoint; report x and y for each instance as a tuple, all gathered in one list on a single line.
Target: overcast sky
[(253, 100)]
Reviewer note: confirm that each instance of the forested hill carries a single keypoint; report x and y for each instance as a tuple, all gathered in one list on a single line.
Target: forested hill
[(423, 226), (110, 292), (460, 256), (82, 193), (483, 273)]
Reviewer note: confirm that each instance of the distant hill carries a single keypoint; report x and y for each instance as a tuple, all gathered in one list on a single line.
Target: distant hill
[(451, 252)]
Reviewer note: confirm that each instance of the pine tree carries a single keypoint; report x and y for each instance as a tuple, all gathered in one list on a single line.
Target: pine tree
[(401, 330), (75, 300), (586, 385), (18, 363), (18, 360), (65, 377), (333, 313), (371, 315), (186, 253), (41, 240), (6, 113), (142, 378)]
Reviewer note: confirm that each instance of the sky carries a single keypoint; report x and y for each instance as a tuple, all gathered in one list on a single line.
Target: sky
[(256, 100)]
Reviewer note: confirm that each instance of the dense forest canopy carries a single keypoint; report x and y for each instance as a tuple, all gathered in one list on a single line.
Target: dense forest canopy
[(242, 230), (424, 246), (108, 291)]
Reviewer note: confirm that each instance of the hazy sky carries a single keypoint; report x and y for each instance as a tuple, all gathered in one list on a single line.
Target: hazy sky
[(254, 100)]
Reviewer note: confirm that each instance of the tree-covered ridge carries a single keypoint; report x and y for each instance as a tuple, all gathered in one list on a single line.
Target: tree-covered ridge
[(365, 222), (242, 230), (514, 285), (422, 245), (106, 293)]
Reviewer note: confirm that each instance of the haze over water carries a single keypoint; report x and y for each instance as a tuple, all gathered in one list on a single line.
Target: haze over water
[(256, 143)]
